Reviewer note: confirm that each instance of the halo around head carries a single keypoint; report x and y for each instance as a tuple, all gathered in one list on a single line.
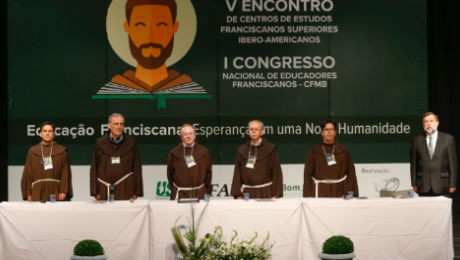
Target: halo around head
[(183, 39)]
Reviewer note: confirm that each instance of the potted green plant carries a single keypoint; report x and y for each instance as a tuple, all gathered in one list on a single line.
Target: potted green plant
[(88, 249), (213, 245), (236, 248), (337, 247)]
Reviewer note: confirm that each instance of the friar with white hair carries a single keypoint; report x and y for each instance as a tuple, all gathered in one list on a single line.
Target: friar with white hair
[(189, 169), (257, 167)]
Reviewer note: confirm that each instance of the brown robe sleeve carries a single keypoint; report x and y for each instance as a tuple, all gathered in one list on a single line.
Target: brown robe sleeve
[(26, 180), (308, 184), (277, 174)]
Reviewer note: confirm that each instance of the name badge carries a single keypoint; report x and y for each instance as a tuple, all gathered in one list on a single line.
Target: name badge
[(330, 158), (190, 161), (48, 163), (115, 160), (251, 162)]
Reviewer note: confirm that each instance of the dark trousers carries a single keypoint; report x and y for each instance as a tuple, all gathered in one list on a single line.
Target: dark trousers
[(431, 193)]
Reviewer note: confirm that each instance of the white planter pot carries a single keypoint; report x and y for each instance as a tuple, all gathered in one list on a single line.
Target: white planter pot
[(97, 257), (336, 256)]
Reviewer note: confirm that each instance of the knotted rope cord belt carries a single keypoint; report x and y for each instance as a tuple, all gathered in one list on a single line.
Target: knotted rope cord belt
[(326, 181), (46, 179), (255, 186), (116, 183), (186, 189)]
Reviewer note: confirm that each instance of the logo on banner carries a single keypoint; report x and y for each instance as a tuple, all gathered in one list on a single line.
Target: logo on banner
[(391, 184), (151, 37), (163, 189)]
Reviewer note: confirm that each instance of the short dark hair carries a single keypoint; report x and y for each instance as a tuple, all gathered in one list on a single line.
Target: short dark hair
[(328, 121), (46, 123), (171, 4), (429, 113)]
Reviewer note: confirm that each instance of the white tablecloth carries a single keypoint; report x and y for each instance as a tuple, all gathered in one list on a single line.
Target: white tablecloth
[(34, 230), (281, 219), (381, 228)]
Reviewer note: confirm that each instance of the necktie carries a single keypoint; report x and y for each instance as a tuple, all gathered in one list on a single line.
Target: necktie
[(430, 146)]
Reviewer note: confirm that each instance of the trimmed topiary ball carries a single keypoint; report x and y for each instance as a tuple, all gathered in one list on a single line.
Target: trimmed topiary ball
[(338, 245), (88, 247)]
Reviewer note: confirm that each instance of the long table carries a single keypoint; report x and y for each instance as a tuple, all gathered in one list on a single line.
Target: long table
[(34, 230), (381, 228)]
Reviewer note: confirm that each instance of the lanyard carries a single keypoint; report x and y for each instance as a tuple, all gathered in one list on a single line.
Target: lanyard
[(183, 148), (255, 151), (51, 153), (324, 150)]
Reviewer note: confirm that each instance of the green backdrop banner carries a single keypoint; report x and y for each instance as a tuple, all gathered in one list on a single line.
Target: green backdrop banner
[(290, 63)]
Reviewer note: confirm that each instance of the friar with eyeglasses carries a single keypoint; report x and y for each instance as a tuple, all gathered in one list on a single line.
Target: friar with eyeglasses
[(329, 169), (116, 165)]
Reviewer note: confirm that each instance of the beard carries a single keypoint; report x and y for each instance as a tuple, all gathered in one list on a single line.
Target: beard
[(151, 62)]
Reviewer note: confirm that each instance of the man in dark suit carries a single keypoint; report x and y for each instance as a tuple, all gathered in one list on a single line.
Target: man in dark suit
[(433, 160)]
